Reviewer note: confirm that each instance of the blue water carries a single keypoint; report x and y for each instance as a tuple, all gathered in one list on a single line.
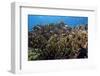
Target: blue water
[(33, 20)]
